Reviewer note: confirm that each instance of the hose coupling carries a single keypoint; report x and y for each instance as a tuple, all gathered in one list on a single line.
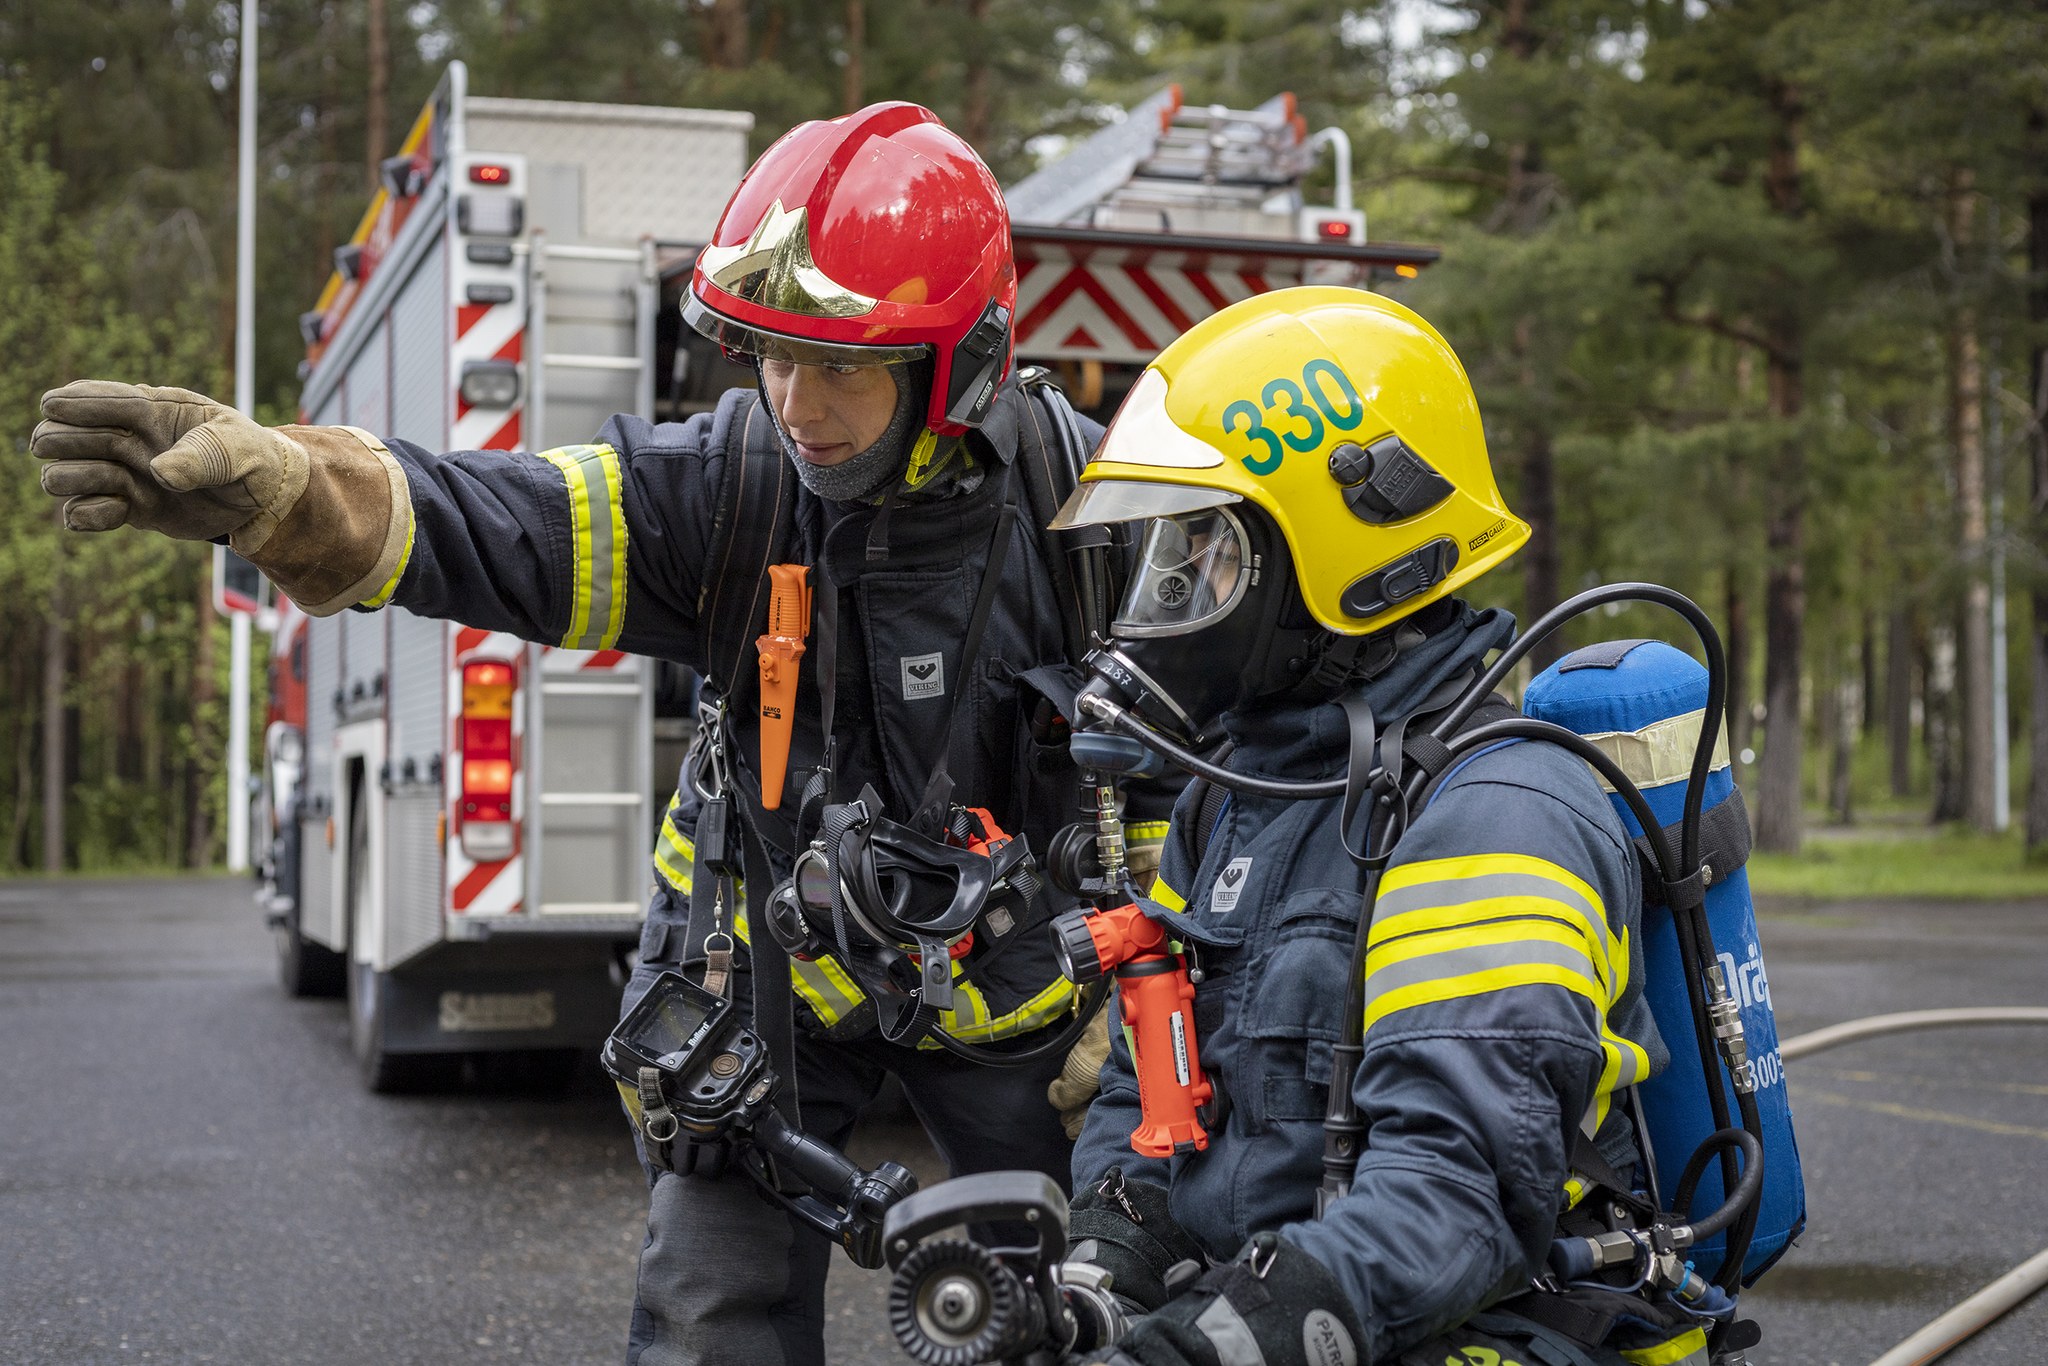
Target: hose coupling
[(1725, 1018)]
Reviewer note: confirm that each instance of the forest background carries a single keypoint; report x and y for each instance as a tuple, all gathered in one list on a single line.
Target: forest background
[(1754, 293)]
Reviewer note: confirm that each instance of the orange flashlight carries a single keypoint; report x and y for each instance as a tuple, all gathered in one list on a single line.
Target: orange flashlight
[(782, 650), (1157, 1003)]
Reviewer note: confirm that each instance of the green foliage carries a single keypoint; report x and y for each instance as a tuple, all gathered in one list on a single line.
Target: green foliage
[(140, 747), (1642, 205), (1950, 865)]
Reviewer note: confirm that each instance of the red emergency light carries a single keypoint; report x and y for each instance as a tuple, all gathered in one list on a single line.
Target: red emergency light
[(487, 768), (490, 173), (1335, 229)]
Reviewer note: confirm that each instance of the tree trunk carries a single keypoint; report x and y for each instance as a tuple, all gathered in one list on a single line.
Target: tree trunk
[(56, 642), (375, 125), (851, 93), (1898, 698), (1779, 780), (1944, 741), (727, 30), (1741, 725), (1846, 721), (1867, 659), (1966, 431), (1541, 561), (2037, 632), (1778, 783), (977, 119)]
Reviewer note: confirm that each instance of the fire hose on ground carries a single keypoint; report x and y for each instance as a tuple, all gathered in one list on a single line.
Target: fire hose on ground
[(1980, 1310)]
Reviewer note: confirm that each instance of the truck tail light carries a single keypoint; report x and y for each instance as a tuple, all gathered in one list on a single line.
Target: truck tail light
[(488, 832)]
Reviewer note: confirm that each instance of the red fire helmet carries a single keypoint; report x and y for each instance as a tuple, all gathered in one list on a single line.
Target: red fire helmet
[(871, 239)]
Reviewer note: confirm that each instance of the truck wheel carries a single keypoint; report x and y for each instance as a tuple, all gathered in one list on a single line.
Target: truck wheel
[(384, 1072), (303, 967)]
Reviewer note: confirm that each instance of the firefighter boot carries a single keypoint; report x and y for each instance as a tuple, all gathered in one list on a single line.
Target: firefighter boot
[(323, 511)]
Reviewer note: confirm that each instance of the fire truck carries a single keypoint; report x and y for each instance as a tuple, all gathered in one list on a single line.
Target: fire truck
[(461, 823)]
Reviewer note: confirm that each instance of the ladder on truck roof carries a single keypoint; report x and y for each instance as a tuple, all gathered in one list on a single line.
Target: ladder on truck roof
[(1171, 167), (1149, 225)]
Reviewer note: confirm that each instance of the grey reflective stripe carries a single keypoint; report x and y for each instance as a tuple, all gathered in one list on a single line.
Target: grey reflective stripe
[(606, 550), (1437, 967), (1230, 1335), (1660, 752), (1425, 896)]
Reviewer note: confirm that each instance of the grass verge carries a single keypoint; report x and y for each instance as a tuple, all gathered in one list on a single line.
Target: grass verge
[(1945, 865)]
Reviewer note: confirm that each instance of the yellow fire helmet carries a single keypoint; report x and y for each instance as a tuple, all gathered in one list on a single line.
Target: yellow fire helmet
[(1341, 414)]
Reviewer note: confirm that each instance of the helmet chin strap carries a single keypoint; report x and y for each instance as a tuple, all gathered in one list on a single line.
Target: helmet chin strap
[(1338, 662)]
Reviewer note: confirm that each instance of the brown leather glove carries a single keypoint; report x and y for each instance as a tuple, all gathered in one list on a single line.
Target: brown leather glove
[(1075, 1087), (323, 510)]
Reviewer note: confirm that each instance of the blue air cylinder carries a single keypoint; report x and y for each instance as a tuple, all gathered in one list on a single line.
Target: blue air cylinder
[(1642, 702)]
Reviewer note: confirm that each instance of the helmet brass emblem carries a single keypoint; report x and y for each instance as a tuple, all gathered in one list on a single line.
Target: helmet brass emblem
[(773, 268)]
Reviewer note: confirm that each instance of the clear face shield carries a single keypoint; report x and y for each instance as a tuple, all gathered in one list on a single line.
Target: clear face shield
[(1192, 569)]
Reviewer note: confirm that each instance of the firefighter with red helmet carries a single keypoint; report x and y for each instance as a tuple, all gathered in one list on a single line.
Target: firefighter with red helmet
[(863, 268)]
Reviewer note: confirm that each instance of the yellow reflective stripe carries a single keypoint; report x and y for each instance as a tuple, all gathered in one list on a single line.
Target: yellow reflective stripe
[(1146, 832), (1055, 1000), (675, 854), (1167, 897), (597, 521), (824, 985), (1482, 984), (1680, 1348), (404, 558), (1439, 893)]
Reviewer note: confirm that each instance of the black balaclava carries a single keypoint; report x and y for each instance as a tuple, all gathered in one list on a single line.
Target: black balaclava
[(872, 472)]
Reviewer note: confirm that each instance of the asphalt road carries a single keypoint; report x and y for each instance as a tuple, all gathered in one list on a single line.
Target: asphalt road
[(190, 1172)]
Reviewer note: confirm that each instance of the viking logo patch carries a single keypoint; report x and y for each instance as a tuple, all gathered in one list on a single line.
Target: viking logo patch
[(1229, 886), (924, 676)]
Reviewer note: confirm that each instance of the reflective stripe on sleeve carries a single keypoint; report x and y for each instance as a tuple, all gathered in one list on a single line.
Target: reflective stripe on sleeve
[(404, 558), (675, 854), (1448, 929), (597, 519)]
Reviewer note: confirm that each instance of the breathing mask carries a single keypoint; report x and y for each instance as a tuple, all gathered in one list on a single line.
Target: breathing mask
[(1211, 622), (898, 906)]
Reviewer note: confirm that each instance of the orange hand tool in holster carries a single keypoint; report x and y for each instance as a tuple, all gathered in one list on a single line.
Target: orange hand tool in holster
[(1156, 1002), (782, 650)]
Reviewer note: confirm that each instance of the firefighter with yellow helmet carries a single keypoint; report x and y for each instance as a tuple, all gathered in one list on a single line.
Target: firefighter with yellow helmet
[(1313, 476)]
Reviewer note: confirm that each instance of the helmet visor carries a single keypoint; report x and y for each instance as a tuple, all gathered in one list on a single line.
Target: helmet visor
[(741, 339), (1192, 569)]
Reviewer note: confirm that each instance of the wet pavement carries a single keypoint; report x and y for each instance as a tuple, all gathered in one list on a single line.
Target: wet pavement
[(1926, 1154), (190, 1171)]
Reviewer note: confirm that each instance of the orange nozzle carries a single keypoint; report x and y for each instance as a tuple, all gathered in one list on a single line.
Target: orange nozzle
[(789, 622)]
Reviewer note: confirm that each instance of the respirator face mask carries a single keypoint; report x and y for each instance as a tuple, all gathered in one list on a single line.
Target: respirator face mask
[(1201, 630)]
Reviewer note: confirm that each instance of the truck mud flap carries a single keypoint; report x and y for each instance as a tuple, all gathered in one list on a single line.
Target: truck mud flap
[(487, 1012)]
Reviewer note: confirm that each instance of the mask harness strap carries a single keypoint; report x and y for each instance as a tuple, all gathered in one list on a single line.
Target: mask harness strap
[(930, 818)]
